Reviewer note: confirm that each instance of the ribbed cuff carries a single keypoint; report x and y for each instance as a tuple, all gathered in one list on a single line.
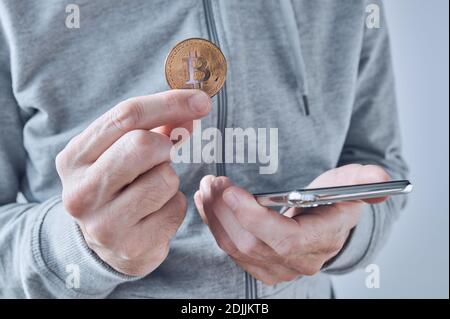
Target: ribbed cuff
[(352, 254), (59, 246)]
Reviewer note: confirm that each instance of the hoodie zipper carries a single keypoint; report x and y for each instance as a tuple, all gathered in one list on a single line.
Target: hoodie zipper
[(250, 282), (222, 95), (293, 37)]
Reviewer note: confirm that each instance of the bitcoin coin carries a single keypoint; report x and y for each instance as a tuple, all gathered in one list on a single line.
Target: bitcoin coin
[(196, 64)]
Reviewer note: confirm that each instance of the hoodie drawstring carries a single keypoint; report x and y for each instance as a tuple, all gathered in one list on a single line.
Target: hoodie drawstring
[(293, 37)]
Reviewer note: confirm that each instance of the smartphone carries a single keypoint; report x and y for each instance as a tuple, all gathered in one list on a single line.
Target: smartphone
[(313, 197)]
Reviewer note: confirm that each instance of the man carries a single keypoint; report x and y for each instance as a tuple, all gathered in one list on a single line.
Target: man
[(114, 218)]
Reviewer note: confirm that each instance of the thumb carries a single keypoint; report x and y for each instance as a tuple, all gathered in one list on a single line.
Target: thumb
[(353, 174)]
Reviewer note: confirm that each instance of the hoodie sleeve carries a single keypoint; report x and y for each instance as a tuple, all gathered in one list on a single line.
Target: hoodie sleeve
[(42, 252), (373, 138)]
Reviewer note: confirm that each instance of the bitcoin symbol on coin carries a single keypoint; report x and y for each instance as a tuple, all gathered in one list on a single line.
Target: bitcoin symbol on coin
[(196, 65)]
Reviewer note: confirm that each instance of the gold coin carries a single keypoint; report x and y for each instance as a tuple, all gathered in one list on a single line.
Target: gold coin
[(196, 64)]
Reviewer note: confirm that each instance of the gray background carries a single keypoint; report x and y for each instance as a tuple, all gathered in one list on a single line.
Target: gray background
[(415, 263)]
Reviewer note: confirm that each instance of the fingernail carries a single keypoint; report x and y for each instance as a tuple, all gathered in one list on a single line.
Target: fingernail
[(231, 199), (204, 188), (199, 102)]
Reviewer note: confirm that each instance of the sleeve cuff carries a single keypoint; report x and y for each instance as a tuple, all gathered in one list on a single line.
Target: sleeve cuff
[(59, 247), (352, 254)]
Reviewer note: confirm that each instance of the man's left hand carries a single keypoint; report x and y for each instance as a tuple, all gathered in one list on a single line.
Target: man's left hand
[(273, 247)]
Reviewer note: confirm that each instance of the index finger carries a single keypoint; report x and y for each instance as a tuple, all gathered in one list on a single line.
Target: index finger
[(144, 113)]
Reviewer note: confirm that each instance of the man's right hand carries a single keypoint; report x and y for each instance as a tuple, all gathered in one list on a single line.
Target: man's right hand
[(119, 185)]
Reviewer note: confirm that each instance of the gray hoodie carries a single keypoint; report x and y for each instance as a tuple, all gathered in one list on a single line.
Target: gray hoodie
[(312, 69)]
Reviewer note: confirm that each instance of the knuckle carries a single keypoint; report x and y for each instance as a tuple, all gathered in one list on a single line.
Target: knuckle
[(144, 145), (61, 162), (68, 156), (170, 179), (181, 203), (127, 114), (74, 203), (139, 144), (153, 199), (139, 139), (178, 213), (79, 198), (175, 217)]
